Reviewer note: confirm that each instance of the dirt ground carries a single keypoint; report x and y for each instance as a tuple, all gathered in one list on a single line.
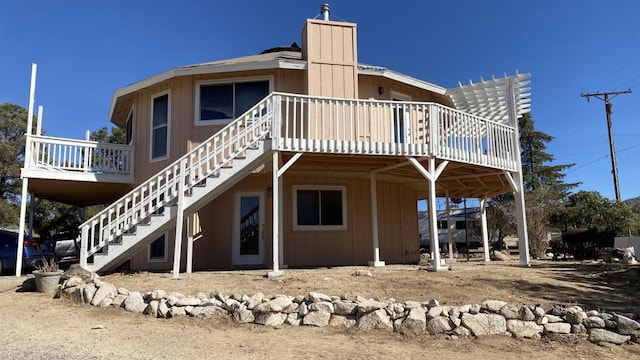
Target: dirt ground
[(36, 326)]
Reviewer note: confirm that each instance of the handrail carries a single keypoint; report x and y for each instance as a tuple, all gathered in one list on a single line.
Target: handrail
[(162, 189), (382, 127), (79, 156)]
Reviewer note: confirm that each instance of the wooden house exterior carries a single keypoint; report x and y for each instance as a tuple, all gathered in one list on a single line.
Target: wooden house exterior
[(306, 146)]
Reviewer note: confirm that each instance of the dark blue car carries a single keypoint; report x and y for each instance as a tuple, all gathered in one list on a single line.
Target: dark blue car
[(31, 255)]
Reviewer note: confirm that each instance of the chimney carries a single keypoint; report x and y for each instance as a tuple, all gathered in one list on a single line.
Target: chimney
[(330, 49), (324, 10)]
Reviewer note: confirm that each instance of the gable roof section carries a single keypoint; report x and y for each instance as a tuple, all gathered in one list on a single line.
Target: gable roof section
[(270, 60), (489, 99)]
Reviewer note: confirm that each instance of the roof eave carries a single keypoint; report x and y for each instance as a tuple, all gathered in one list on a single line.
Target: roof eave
[(204, 69), (392, 75)]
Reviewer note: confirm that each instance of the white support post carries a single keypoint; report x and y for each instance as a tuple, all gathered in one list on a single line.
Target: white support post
[(39, 123), (190, 225), (523, 238), (84, 245), (432, 175), (485, 232), (374, 223), (280, 222), (449, 234), (25, 180), (177, 248), (275, 215), (433, 217), (32, 209)]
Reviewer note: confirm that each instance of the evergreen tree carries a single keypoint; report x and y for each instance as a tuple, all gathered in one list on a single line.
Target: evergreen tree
[(537, 173), (544, 188)]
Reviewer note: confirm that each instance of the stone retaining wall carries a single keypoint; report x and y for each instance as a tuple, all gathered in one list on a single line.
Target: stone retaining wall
[(491, 317)]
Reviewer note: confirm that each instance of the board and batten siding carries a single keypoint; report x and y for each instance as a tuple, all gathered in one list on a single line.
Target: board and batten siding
[(397, 227)]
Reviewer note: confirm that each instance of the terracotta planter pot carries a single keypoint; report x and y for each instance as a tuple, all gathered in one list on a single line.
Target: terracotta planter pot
[(47, 281)]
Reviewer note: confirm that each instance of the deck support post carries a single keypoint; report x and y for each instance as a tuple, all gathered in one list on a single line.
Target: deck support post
[(177, 249), (432, 175), (517, 183), (275, 215), (449, 234), (190, 224), (485, 232), (374, 223), (25, 180)]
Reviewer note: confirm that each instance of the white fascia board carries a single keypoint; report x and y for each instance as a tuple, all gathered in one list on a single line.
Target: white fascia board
[(389, 74), (205, 69)]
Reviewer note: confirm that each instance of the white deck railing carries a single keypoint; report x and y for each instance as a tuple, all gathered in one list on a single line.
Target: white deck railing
[(79, 156), (372, 127)]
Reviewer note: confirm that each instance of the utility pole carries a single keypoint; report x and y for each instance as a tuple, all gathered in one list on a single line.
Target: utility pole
[(606, 97)]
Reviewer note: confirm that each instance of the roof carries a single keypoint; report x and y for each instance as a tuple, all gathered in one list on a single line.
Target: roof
[(286, 59), (489, 99)]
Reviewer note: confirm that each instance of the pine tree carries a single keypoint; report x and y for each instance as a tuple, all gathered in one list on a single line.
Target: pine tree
[(544, 188), (537, 173)]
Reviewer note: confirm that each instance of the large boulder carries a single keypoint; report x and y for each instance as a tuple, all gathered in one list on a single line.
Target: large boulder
[(271, 319), (606, 336), (557, 328), (105, 290), (277, 304), (135, 303), (626, 326), (439, 325), (485, 324), (344, 307), (493, 306), (415, 323), (317, 318), (377, 319), (79, 271), (524, 329)]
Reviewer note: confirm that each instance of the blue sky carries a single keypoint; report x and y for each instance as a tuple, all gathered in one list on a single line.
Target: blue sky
[(87, 49)]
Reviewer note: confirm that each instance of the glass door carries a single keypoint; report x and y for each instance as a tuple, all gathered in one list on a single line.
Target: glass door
[(248, 241)]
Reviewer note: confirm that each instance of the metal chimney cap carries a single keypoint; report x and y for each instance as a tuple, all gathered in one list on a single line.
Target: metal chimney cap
[(324, 10)]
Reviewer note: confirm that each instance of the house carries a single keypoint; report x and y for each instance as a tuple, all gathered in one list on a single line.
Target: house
[(297, 156), (454, 227)]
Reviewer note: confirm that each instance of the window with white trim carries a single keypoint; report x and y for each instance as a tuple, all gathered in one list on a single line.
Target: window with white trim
[(319, 208), (157, 251), (218, 103), (129, 128), (160, 118)]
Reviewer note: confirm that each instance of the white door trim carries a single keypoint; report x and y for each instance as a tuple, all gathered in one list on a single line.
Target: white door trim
[(397, 96), (248, 259)]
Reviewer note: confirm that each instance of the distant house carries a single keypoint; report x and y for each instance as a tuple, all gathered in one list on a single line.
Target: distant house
[(297, 156), (461, 228)]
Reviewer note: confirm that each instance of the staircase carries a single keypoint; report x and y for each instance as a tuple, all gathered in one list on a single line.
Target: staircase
[(145, 213)]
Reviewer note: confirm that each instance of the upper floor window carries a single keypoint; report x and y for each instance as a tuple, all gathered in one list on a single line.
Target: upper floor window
[(129, 133), (220, 102), (160, 118)]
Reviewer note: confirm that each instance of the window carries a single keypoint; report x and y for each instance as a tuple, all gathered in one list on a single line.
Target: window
[(219, 103), (461, 225), (158, 249), (160, 117), (319, 208), (442, 224), (129, 130)]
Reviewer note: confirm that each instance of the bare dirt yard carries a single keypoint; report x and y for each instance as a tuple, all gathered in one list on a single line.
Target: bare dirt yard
[(36, 326)]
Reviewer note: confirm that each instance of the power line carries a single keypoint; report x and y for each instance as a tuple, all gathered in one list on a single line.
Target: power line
[(604, 96)]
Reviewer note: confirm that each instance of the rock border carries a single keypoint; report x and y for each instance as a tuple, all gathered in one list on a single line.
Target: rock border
[(410, 318)]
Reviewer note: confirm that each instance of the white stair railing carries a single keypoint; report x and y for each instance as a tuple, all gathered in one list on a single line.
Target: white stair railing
[(161, 190)]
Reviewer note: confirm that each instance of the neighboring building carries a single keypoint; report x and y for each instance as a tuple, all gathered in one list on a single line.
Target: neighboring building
[(301, 157), (462, 228)]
